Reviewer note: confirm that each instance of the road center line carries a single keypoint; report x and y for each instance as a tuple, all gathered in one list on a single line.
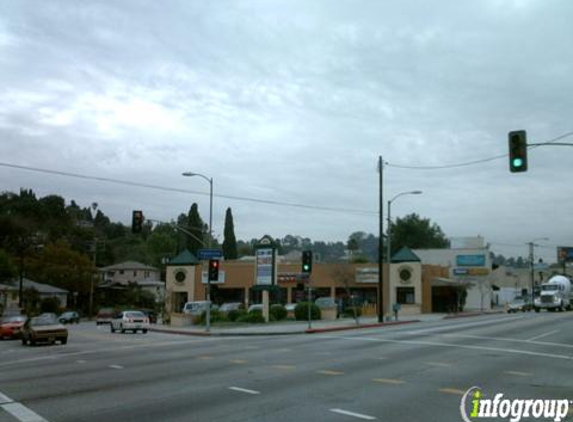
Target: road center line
[(353, 414), (244, 390), (329, 372), (518, 373), (388, 381), (543, 335), (116, 366), (452, 391)]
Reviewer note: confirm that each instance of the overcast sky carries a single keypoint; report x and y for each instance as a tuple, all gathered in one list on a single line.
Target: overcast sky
[(293, 102)]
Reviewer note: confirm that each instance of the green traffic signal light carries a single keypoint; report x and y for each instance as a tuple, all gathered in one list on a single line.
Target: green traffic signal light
[(517, 162), (517, 151)]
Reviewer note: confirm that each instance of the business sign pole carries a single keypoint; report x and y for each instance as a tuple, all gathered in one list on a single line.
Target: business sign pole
[(265, 270)]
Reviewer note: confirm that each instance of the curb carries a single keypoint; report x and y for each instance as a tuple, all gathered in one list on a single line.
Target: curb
[(357, 327), (286, 333)]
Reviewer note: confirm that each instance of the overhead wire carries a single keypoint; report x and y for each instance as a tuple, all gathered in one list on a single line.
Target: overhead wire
[(474, 162)]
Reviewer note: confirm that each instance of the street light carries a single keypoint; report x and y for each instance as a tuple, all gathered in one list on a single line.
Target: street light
[(210, 180), (389, 245), (531, 258)]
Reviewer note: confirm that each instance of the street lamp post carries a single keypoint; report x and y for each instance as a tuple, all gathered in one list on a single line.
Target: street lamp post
[(532, 245), (389, 245), (210, 180)]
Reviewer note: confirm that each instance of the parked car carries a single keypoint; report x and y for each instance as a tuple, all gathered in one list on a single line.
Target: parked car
[(231, 306), (69, 317), (44, 328), (256, 308), (11, 326), (129, 321), (104, 316), (196, 308), (518, 305)]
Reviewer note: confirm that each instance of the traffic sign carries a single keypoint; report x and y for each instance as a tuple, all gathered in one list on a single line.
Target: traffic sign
[(205, 254)]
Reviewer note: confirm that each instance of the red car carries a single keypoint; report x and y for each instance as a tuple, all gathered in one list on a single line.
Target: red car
[(11, 326)]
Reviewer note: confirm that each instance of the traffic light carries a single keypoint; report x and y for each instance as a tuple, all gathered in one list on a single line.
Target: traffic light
[(137, 221), (213, 270), (517, 151), (307, 262)]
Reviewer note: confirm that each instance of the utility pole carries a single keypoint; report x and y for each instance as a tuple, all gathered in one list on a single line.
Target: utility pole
[(381, 299)]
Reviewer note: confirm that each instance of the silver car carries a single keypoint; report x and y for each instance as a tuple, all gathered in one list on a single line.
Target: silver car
[(129, 321)]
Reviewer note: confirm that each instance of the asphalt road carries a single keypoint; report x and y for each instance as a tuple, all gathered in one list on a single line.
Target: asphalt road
[(403, 373)]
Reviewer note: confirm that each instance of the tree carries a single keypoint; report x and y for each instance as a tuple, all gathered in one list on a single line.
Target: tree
[(63, 267), (344, 275), (416, 233), (196, 227), (230, 242), (7, 268)]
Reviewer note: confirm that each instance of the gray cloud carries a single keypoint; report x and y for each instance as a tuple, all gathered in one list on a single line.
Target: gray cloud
[(294, 102)]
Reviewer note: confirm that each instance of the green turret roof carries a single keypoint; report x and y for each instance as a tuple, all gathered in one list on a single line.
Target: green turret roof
[(405, 255), (184, 258)]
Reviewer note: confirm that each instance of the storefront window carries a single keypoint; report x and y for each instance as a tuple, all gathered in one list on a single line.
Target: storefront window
[(406, 295)]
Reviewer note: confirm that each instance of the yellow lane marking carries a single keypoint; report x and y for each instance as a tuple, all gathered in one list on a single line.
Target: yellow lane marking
[(518, 373), (329, 372), (238, 361), (452, 391), (285, 367), (388, 381), (441, 364), (205, 357)]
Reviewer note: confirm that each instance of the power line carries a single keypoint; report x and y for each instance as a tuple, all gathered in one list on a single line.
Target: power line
[(186, 191), (472, 163)]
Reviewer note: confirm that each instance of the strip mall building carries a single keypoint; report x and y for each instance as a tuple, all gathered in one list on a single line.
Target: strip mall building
[(410, 282)]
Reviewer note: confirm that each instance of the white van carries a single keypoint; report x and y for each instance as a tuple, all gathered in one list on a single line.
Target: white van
[(195, 308)]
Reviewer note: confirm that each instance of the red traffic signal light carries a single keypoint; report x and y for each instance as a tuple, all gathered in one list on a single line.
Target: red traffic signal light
[(213, 270), (137, 221)]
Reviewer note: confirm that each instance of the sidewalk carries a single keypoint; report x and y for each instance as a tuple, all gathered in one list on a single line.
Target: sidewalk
[(291, 327)]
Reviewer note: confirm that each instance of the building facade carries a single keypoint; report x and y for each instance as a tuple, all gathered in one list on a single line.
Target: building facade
[(186, 281)]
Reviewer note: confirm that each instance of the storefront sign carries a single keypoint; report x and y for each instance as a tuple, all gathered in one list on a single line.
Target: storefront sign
[(367, 275), (470, 260)]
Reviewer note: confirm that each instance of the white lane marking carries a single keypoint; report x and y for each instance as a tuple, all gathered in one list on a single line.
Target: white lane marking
[(460, 346), (5, 399), (116, 366), (543, 335), (511, 340), (440, 364), (22, 413), (353, 414), (244, 390), (80, 361), (463, 325)]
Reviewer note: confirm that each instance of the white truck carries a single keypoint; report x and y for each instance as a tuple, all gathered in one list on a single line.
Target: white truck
[(555, 295)]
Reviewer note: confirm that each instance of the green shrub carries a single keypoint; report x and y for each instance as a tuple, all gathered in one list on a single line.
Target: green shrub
[(216, 316), (349, 311), (253, 317), (235, 314), (301, 311), (278, 312)]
